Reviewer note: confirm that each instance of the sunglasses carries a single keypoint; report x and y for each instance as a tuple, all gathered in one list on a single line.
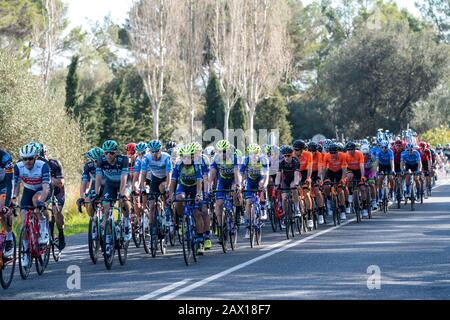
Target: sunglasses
[(287, 155), (110, 152), (350, 149), (298, 149), (28, 159), (384, 147)]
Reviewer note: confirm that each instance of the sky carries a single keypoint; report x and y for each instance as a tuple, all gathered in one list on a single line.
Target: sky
[(95, 10)]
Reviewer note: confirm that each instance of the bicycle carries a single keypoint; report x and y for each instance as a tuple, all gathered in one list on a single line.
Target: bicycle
[(412, 190), (40, 253), (158, 232), (95, 231), (255, 219), (188, 233), (290, 220), (54, 239), (228, 230), (398, 189), (274, 212), (334, 202), (384, 192), (7, 264), (421, 187), (356, 204)]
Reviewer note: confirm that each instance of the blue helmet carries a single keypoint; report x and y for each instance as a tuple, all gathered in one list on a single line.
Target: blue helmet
[(140, 147), (154, 145), (384, 144)]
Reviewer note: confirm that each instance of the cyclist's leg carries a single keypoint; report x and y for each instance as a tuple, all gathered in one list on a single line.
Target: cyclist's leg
[(218, 208)]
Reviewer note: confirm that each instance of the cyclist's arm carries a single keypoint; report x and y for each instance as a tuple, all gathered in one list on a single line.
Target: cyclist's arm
[(83, 188), (8, 181), (309, 173), (45, 182), (168, 169), (17, 182), (297, 178), (278, 178), (124, 176), (58, 180)]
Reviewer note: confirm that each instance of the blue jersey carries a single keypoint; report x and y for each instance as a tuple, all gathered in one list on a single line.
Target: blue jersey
[(158, 168), (225, 168), (32, 179), (88, 172), (186, 175), (112, 172), (257, 170), (6, 165), (374, 151), (385, 158), (410, 159), (138, 164), (203, 162)]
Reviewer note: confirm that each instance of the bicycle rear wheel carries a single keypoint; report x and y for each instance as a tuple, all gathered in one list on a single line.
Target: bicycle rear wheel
[(252, 227), (233, 232), (146, 237), (54, 240), (223, 236), (8, 266), (135, 231), (44, 254), (122, 246), (25, 269), (187, 243), (413, 196), (93, 239), (153, 238), (108, 255), (273, 219)]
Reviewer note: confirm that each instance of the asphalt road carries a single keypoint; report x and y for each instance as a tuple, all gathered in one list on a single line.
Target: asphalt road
[(409, 251)]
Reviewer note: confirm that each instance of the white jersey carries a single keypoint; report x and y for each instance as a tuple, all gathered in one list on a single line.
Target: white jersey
[(32, 179)]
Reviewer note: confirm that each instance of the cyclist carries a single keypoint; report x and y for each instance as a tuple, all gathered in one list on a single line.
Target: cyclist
[(135, 188), (385, 165), (288, 176), (355, 170), (87, 189), (255, 173), (317, 177), (156, 170), (172, 150), (335, 165), (225, 171), (410, 160), (57, 189), (305, 159), (370, 172), (186, 182), (425, 158), (6, 177), (204, 162), (35, 175), (114, 168)]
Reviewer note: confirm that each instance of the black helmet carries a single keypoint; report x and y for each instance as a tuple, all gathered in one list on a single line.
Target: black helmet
[(319, 148), (286, 150), (333, 148), (350, 146), (299, 144), (312, 146), (170, 145)]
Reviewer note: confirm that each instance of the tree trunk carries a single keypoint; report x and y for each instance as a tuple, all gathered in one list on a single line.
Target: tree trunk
[(156, 122), (250, 116), (226, 120)]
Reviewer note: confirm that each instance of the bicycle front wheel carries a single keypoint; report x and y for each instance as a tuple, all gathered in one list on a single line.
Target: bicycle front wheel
[(25, 268), (109, 249), (93, 239), (188, 241), (8, 266), (54, 240)]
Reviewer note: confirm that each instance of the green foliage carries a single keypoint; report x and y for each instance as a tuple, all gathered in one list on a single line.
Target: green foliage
[(214, 105), (72, 86), (238, 119), (438, 13), (437, 135), (272, 113)]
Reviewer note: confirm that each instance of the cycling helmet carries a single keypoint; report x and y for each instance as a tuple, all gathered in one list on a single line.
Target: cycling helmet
[(109, 145), (140, 147), (312, 146), (447, 145), (154, 145), (170, 145), (365, 149), (28, 150), (253, 148), (438, 146), (238, 153), (285, 149), (398, 142), (187, 149), (409, 146), (422, 144), (333, 148), (364, 141), (43, 151), (319, 148), (94, 153), (209, 151), (37, 146), (196, 146), (384, 144), (350, 146), (358, 146), (222, 145), (340, 146), (266, 149), (299, 144), (327, 143), (131, 149)]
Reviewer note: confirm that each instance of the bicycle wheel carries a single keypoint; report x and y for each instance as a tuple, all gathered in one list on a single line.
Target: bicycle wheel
[(413, 196), (54, 240), (108, 253), (163, 243), (188, 252), (43, 255), (258, 232), (146, 237), (93, 242), (25, 269), (8, 266), (398, 194), (421, 190), (272, 218), (122, 245), (223, 236), (233, 231), (135, 231), (153, 238), (252, 226)]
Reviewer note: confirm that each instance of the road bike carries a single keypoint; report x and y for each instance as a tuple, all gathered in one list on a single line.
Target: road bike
[(7, 264), (188, 231), (228, 229)]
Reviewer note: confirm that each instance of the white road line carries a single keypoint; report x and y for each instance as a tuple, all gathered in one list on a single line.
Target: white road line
[(163, 290), (278, 244), (245, 264)]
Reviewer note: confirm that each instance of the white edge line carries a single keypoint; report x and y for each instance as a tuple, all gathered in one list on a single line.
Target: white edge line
[(163, 290), (242, 265)]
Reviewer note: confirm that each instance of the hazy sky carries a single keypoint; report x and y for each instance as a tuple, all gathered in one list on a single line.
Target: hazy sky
[(80, 10)]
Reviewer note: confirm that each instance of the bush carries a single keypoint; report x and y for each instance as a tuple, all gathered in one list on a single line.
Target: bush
[(437, 135)]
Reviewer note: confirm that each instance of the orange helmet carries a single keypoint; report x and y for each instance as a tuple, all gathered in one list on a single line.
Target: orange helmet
[(131, 149)]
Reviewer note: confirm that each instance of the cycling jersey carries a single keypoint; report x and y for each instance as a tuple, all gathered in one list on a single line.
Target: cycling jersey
[(138, 164), (255, 170), (413, 158), (424, 155), (317, 161), (32, 179), (375, 150), (288, 169), (335, 164), (88, 172), (354, 162), (6, 176), (225, 168), (385, 158), (203, 162), (274, 162), (305, 160), (369, 161), (112, 172), (397, 155), (55, 169), (186, 175), (158, 168)]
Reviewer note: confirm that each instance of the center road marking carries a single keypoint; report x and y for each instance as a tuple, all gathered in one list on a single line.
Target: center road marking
[(275, 245), (163, 290), (245, 264)]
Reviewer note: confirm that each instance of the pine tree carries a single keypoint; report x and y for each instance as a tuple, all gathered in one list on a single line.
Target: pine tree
[(214, 110), (238, 120), (72, 93)]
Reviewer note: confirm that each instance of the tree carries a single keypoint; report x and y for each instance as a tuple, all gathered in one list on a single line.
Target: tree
[(265, 119), (263, 45), (438, 13), (214, 105), (437, 135), (153, 34), (72, 93), (392, 68)]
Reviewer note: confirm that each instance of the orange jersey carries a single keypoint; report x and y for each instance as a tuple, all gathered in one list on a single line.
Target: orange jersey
[(317, 161), (306, 160), (354, 162), (335, 164)]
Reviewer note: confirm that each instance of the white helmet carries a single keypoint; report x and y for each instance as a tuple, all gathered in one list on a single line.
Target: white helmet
[(28, 150), (365, 149), (209, 151)]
